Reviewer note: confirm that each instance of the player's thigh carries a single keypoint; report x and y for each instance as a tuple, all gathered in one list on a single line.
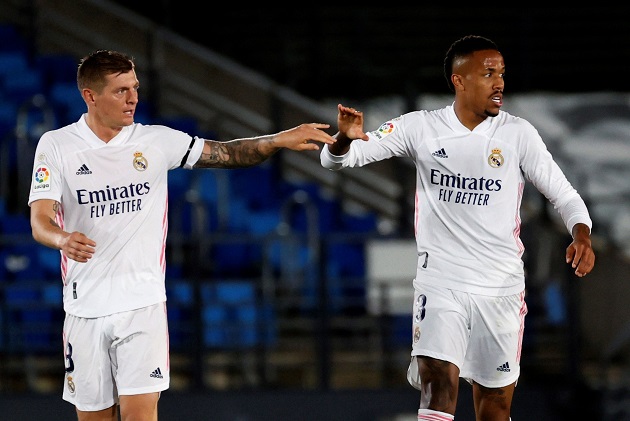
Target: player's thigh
[(140, 352), (439, 324), (494, 352), (88, 382)]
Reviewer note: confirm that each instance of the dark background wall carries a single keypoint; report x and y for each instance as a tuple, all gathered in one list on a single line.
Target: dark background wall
[(359, 51)]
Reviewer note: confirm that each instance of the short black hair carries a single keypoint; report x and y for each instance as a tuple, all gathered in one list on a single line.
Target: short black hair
[(463, 47)]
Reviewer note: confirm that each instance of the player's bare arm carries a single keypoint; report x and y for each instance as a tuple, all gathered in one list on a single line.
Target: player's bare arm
[(247, 152), (76, 246)]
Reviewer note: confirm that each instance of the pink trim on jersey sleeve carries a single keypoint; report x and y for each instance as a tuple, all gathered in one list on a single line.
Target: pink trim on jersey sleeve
[(416, 215), (63, 263), (517, 220), (164, 233)]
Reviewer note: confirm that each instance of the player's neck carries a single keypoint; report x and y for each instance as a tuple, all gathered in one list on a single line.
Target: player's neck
[(100, 129), (468, 117)]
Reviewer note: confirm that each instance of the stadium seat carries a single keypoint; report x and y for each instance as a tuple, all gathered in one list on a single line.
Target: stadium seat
[(50, 261), (66, 99), (182, 316), (20, 262), (20, 86), (180, 292), (215, 331), (52, 294), (58, 68), (256, 185), (11, 63), (33, 324), (15, 223), (234, 317), (235, 292)]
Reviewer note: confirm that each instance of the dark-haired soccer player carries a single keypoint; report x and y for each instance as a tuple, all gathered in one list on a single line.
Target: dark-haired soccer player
[(472, 163)]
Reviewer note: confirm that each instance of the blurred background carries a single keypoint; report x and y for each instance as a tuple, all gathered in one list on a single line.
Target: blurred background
[(289, 286)]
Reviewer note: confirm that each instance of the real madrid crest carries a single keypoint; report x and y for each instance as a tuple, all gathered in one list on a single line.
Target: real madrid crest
[(70, 384), (495, 159), (416, 334), (140, 163)]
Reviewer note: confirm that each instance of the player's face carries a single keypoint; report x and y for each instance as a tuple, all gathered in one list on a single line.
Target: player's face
[(116, 104), (482, 79)]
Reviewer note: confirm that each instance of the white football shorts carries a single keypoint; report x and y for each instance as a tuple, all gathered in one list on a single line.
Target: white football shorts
[(120, 354), (482, 335)]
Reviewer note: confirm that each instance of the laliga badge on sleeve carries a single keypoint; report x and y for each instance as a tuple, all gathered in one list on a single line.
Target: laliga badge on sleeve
[(41, 177)]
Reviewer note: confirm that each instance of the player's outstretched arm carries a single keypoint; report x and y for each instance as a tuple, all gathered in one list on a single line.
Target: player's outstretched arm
[(246, 152)]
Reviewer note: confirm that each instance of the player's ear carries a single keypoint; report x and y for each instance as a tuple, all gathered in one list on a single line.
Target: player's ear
[(88, 95), (457, 81)]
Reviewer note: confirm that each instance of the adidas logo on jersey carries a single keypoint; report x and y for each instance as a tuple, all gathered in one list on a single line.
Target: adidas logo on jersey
[(157, 373), (441, 153), (504, 367), (83, 170)]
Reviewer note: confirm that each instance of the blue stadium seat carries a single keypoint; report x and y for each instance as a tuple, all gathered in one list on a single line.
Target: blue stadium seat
[(58, 68), (66, 99), (253, 325), (20, 262), (52, 294), (13, 62), (21, 86), (233, 316), (33, 323), (179, 182), (180, 292), (182, 315), (240, 217), (50, 261), (15, 223), (215, 331), (263, 222), (365, 223), (235, 292), (256, 185), (206, 185)]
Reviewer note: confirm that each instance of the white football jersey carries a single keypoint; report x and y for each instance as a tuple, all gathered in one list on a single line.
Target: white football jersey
[(469, 190), (116, 194)]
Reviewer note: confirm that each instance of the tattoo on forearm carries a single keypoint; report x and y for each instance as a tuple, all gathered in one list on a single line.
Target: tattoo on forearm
[(55, 209), (234, 154)]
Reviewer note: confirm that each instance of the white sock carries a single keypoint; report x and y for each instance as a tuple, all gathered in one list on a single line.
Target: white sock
[(431, 415)]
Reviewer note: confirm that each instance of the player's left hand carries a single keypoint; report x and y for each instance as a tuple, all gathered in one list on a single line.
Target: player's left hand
[(580, 252)]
